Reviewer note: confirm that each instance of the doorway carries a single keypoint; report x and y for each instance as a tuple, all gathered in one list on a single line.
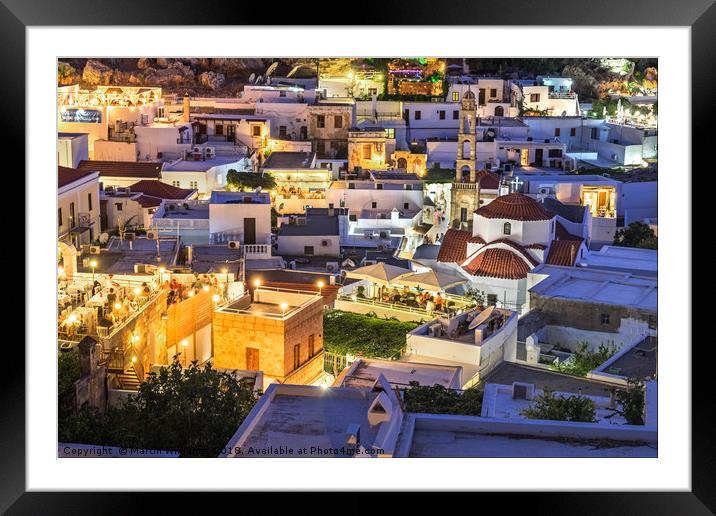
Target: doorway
[(252, 359), (249, 231), (524, 157), (538, 157), (230, 133)]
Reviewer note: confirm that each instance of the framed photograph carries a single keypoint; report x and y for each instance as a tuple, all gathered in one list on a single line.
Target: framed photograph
[(424, 236)]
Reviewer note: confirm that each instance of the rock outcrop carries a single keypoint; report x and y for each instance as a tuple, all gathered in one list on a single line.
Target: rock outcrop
[(212, 80), (96, 72)]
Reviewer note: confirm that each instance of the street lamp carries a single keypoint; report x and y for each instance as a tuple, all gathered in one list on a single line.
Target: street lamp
[(93, 264), (257, 283), (184, 344), (320, 288), (284, 306)]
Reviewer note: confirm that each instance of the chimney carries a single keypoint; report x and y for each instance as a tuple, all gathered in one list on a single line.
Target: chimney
[(185, 112)]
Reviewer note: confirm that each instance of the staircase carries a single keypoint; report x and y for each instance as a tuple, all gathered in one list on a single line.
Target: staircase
[(128, 380)]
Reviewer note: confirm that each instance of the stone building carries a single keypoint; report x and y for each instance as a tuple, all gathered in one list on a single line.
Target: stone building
[(369, 149), (279, 332), (328, 126)]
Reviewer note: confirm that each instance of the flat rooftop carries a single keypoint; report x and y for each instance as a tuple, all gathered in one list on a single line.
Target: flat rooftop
[(119, 258), (279, 159), (450, 443), (400, 374), (506, 373), (219, 197), (639, 361), (597, 286), (624, 259), (312, 418), (214, 258)]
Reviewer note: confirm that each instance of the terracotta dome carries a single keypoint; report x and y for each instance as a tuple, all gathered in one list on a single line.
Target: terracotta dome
[(468, 95), (514, 206)]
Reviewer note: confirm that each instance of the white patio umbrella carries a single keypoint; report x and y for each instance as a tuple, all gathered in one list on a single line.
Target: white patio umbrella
[(432, 281), (380, 273)]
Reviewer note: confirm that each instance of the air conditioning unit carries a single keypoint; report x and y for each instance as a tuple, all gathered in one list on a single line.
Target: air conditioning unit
[(94, 249), (140, 268), (209, 152), (234, 244), (152, 235), (331, 266)]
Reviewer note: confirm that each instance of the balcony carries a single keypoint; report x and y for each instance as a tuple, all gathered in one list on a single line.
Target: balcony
[(562, 95)]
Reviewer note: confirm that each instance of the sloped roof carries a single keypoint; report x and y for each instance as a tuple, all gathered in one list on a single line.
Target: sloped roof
[(497, 262), (514, 206), (66, 175), (561, 233), (488, 180), (453, 246), (146, 170), (571, 212), (563, 252), (156, 188)]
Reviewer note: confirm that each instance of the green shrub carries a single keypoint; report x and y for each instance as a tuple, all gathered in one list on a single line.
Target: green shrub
[(631, 402), (584, 360), (440, 400), (561, 408)]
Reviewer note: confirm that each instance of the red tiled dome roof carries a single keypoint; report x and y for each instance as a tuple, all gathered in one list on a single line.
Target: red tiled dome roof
[(453, 246), (498, 263), (514, 206)]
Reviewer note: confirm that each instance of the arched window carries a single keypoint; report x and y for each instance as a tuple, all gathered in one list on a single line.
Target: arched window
[(466, 150), (499, 111), (507, 228)]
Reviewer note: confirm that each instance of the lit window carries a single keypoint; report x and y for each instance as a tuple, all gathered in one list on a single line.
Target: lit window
[(455, 96)]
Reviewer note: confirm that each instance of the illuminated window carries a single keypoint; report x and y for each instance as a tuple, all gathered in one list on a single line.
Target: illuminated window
[(390, 133), (455, 96), (256, 130)]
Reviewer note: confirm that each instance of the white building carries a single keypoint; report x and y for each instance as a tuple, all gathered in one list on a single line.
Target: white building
[(318, 233), (78, 220), (382, 209), (493, 95), (240, 216), (552, 95), (71, 149), (204, 174), (452, 342), (510, 236)]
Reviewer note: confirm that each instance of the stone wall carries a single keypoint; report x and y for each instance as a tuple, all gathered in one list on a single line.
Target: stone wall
[(588, 315)]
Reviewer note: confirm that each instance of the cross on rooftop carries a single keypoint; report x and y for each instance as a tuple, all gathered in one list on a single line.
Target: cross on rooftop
[(516, 183)]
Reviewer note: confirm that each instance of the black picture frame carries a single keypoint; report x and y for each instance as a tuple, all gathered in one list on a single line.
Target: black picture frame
[(700, 15)]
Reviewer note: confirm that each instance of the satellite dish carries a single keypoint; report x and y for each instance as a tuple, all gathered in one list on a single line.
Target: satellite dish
[(271, 68), (252, 77), (484, 316), (293, 71)]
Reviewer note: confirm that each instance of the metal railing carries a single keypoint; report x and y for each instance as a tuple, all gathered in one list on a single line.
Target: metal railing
[(399, 307)]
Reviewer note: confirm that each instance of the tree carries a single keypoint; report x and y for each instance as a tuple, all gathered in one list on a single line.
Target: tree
[(637, 234), (68, 370), (248, 181), (583, 360), (630, 402), (194, 411), (561, 408)]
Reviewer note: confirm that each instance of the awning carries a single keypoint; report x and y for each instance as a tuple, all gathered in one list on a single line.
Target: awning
[(378, 273), (431, 280)]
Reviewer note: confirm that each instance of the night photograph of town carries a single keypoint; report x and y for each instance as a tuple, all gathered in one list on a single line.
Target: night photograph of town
[(394, 257)]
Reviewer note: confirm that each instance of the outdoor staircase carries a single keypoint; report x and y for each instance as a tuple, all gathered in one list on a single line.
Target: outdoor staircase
[(128, 380)]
